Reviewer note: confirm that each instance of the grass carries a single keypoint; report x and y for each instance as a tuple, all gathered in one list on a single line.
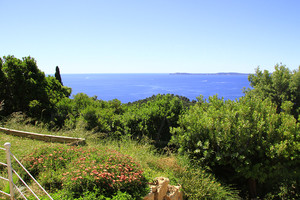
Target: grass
[(155, 164), (197, 183)]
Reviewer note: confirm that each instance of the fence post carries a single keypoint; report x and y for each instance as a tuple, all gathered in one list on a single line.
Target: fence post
[(9, 169)]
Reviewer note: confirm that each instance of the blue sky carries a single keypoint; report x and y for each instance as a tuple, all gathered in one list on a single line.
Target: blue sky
[(152, 36)]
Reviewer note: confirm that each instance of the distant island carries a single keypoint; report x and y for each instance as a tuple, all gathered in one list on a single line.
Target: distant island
[(220, 73)]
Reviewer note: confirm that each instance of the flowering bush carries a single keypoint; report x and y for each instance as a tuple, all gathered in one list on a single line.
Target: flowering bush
[(78, 170), (48, 158)]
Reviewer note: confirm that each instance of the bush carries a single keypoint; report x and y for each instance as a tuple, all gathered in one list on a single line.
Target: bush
[(245, 140), (88, 112), (76, 171), (153, 119), (280, 86), (198, 184)]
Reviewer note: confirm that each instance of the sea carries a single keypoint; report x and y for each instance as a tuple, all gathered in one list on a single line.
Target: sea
[(133, 87)]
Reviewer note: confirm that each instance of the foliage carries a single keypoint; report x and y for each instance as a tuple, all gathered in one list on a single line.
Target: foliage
[(77, 170), (3, 89), (198, 184), (245, 139), (287, 189), (153, 119), (186, 101), (25, 88), (96, 115), (154, 165), (91, 195), (24, 83), (254, 139), (280, 86)]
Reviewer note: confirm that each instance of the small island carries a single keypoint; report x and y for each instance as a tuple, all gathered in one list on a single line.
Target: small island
[(219, 73)]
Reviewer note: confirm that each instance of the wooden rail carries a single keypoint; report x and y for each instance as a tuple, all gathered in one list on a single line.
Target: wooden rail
[(43, 137)]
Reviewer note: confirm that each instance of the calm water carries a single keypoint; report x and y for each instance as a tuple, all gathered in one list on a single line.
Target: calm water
[(133, 87)]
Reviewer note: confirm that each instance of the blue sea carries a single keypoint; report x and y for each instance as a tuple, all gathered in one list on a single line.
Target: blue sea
[(133, 87)]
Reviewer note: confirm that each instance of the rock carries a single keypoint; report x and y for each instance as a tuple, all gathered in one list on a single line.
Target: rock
[(150, 196), (174, 193), (161, 190)]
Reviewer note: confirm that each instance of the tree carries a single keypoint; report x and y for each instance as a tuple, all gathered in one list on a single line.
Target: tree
[(55, 93), (25, 82), (27, 89), (280, 86), (3, 88), (3, 83), (57, 75), (243, 140)]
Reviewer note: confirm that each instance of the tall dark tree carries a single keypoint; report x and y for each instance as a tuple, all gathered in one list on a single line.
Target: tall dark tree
[(57, 75)]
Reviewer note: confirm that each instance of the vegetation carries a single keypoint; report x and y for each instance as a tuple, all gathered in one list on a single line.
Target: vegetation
[(153, 164), (75, 170), (151, 119), (280, 86), (57, 75), (243, 140), (25, 88), (250, 144)]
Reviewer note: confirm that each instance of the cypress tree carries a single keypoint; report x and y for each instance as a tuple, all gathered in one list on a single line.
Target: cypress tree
[(57, 75)]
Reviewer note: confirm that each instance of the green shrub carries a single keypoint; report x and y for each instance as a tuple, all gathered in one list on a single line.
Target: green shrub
[(153, 119), (280, 86), (77, 170), (245, 140), (198, 184)]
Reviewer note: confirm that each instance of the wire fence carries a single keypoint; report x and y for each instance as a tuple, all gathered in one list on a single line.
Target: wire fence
[(9, 178)]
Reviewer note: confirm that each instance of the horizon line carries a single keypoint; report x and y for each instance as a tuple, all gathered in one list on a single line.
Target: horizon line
[(170, 73)]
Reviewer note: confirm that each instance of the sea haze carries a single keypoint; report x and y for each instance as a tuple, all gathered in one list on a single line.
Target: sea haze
[(133, 87)]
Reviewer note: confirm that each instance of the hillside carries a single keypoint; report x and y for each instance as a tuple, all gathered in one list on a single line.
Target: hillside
[(152, 163)]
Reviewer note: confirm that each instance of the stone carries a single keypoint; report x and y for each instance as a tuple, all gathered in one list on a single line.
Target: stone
[(161, 190), (174, 193), (162, 187), (150, 196)]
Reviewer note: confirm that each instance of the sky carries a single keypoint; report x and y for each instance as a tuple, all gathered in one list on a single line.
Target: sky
[(152, 36)]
